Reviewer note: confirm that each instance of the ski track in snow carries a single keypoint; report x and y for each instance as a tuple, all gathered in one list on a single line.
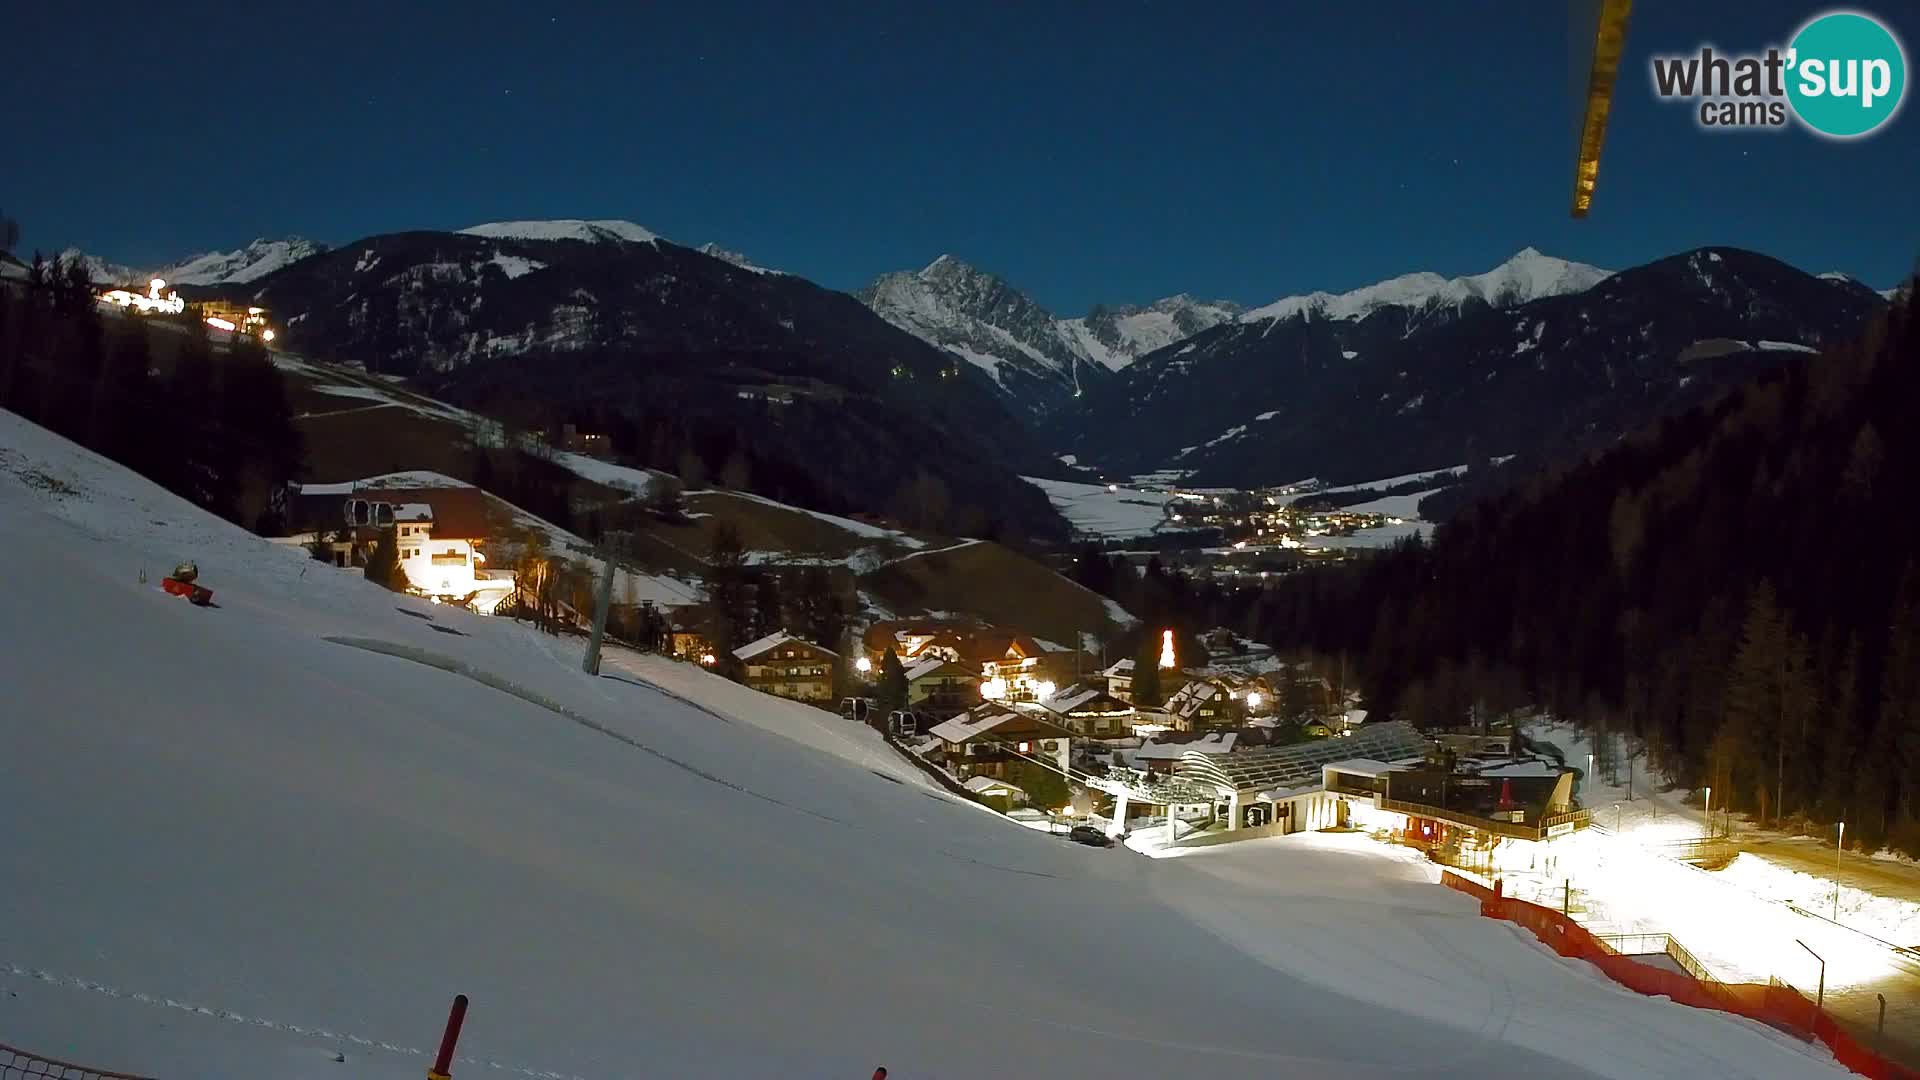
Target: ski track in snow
[(75, 982)]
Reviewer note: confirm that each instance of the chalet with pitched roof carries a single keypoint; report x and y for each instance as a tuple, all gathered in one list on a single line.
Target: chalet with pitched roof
[(789, 667)]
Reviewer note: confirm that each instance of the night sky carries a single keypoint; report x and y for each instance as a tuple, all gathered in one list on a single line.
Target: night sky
[(1087, 152)]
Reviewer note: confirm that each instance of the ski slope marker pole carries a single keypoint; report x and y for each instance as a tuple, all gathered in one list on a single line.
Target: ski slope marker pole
[(443, 1061)]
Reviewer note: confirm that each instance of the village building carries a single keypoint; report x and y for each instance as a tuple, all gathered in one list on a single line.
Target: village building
[(1088, 711), (1389, 777), (1202, 704), (990, 738), (592, 444), (1283, 788), (439, 534), (789, 667), (1119, 678), (996, 793), (942, 687)]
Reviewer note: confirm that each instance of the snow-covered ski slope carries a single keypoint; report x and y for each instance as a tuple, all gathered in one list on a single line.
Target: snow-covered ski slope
[(234, 849)]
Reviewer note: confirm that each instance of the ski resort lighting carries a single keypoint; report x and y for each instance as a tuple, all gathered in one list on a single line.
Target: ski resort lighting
[(266, 335), (148, 303), (1166, 648), (863, 665)]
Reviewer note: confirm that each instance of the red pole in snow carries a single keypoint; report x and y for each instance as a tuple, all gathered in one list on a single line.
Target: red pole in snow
[(444, 1060)]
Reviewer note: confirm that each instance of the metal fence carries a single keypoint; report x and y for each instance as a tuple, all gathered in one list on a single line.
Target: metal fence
[(16, 1064)]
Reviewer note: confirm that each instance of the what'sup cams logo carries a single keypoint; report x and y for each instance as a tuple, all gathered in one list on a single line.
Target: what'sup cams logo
[(1843, 76)]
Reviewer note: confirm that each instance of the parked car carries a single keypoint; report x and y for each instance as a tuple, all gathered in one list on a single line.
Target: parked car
[(1089, 835)]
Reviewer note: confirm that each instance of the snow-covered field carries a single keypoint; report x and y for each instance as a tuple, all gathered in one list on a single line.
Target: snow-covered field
[(238, 849), (1094, 510)]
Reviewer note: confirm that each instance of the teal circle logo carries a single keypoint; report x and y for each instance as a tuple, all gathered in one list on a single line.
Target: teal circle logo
[(1847, 74)]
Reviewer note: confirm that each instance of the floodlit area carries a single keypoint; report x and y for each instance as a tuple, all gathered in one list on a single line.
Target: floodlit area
[(255, 850)]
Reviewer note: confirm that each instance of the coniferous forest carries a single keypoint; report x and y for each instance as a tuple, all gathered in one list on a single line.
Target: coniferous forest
[(209, 421), (1737, 587)]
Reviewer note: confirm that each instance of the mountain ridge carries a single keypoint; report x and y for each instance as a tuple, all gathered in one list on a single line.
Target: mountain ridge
[(1400, 389)]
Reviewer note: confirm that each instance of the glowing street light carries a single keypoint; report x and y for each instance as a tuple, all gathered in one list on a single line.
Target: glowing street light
[(1253, 699), (1839, 843), (863, 665)]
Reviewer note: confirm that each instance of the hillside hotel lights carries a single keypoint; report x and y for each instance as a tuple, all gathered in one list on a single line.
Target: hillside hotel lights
[(151, 303)]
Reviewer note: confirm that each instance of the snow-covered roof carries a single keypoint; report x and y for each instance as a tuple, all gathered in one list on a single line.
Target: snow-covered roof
[(1119, 669), (986, 785), (773, 640), (412, 512), (929, 666), (1188, 699), (1360, 767), (1214, 742), (1073, 697), (968, 724)]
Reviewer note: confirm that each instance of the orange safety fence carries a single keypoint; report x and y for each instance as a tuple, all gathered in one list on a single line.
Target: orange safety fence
[(1776, 1004), (19, 1065)]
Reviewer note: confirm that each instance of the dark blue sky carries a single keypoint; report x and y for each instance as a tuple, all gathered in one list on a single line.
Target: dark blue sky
[(1113, 151)]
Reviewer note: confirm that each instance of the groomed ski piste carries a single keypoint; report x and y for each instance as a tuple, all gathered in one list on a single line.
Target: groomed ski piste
[(234, 848)]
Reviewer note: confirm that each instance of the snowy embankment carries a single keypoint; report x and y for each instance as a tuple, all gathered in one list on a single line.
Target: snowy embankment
[(241, 850)]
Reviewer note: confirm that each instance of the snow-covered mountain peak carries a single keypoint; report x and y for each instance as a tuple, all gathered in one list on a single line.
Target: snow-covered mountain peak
[(1528, 275), (604, 230), (726, 255), (100, 271), (256, 260)]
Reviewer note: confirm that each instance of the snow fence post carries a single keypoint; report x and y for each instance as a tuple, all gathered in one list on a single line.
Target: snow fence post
[(443, 1061)]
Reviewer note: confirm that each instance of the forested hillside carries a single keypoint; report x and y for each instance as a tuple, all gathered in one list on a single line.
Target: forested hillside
[(1739, 586), (207, 421)]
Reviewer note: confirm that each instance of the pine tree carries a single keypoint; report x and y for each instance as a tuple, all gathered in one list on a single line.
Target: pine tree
[(892, 689), (383, 567), (1146, 674), (729, 597), (1900, 698), (769, 614)]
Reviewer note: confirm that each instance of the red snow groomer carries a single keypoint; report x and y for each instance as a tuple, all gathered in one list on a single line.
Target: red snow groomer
[(182, 583)]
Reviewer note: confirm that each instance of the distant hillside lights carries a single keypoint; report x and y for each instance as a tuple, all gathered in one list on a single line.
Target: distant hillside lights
[(237, 320), (152, 302)]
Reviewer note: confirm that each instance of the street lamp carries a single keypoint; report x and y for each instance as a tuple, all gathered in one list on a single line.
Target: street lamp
[(1589, 784), (1839, 844), (1709, 811), (863, 665), (1253, 699)]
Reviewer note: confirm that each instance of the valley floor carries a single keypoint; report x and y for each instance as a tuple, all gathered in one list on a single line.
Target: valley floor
[(236, 848)]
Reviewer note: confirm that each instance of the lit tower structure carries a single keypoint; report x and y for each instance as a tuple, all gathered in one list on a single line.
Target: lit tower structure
[(1608, 37)]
